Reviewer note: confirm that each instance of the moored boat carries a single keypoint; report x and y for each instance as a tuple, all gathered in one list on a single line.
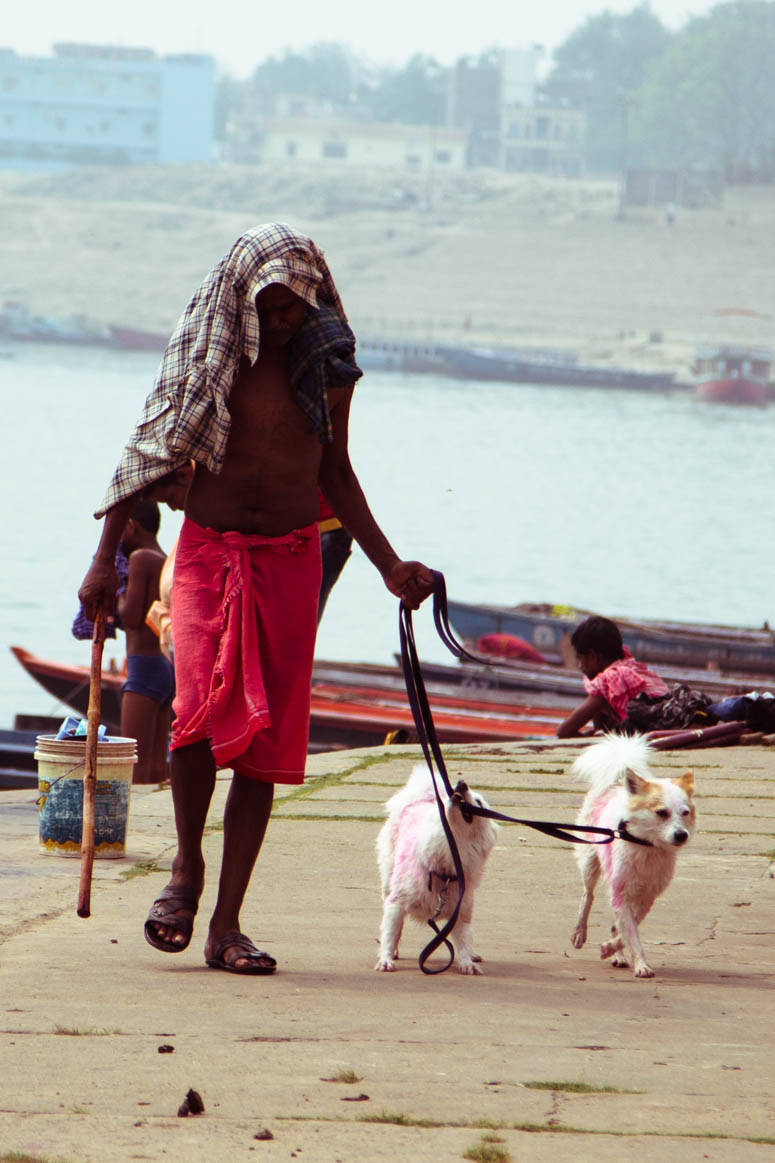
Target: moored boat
[(515, 366), (347, 710), (684, 644), (737, 368), (733, 374)]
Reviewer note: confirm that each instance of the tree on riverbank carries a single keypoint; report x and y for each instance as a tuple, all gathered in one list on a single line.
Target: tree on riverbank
[(600, 68), (710, 99)]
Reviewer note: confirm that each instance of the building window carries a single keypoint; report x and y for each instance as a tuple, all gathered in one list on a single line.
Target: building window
[(334, 149), (61, 124), (149, 128), (444, 156), (413, 159), (10, 83), (291, 149), (542, 128)]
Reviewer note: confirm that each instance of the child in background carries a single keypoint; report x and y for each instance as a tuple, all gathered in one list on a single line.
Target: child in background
[(146, 696), (612, 678)]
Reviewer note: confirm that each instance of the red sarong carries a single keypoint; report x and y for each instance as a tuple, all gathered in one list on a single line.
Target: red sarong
[(244, 612)]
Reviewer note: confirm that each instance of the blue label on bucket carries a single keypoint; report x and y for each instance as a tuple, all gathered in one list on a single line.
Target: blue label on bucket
[(61, 816)]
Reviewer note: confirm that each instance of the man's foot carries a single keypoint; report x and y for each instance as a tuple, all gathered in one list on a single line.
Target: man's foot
[(170, 921), (236, 953)]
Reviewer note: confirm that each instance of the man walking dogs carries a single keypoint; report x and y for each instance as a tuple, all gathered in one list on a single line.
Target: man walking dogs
[(255, 387)]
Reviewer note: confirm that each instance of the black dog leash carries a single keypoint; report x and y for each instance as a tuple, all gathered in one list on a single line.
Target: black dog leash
[(429, 742)]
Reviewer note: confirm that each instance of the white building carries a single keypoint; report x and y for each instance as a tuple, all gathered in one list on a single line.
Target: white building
[(88, 104), (359, 143)]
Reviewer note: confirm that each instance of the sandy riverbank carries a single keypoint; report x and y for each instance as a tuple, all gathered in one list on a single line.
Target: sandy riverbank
[(519, 260)]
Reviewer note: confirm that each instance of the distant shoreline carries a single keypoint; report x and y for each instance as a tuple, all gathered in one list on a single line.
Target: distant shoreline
[(498, 260)]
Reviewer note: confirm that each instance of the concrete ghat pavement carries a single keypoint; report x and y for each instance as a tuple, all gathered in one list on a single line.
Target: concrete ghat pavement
[(550, 1055)]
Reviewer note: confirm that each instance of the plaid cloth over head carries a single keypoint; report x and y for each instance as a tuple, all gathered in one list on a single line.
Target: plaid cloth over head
[(186, 416)]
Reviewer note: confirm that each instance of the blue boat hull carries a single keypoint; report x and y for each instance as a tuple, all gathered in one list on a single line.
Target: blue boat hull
[(693, 645)]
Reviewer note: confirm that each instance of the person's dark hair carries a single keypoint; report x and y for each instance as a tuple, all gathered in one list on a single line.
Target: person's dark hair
[(146, 514), (600, 634)]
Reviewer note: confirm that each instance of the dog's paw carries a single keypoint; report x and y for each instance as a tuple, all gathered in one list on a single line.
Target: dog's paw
[(476, 957), (579, 937), (608, 948), (643, 970), (469, 968), (384, 965), (619, 961)]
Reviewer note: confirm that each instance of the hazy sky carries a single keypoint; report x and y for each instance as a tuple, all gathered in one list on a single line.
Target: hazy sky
[(241, 33)]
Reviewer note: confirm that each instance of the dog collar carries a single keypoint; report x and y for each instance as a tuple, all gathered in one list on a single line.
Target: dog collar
[(623, 833)]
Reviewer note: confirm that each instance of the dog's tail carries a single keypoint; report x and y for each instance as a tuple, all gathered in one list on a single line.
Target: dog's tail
[(417, 789), (603, 764)]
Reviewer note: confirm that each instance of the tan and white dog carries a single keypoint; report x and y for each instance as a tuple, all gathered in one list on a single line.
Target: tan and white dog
[(416, 867), (623, 791)]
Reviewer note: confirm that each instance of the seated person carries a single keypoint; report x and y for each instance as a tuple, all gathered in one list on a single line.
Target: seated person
[(612, 678)]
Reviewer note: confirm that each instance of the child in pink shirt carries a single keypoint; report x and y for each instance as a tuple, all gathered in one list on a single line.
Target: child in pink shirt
[(612, 678)]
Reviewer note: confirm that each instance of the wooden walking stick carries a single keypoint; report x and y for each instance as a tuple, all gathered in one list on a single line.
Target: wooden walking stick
[(90, 766)]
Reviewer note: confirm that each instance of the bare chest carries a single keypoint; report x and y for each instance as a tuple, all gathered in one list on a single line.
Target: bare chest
[(264, 413)]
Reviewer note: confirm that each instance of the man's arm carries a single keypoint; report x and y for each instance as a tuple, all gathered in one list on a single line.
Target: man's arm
[(409, 580), (98, 588)]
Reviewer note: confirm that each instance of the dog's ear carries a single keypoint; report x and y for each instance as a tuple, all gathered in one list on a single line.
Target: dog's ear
[(636, 784), (686, 781)]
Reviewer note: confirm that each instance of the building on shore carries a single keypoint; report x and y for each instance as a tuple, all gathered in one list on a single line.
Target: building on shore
[(360, 143), (92, 104), (496, 102)]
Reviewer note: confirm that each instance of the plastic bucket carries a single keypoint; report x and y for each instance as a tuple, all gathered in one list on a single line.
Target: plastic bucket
[(60, 801)]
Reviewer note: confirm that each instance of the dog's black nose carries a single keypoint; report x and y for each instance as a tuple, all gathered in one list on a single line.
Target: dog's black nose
[(680, 837), (461, 788)]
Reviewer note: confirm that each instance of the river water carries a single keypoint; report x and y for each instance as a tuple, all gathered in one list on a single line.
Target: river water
[(623, 502)]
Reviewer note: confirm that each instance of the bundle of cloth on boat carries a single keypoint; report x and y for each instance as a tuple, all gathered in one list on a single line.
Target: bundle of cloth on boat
[(680, 707), (685, 707)]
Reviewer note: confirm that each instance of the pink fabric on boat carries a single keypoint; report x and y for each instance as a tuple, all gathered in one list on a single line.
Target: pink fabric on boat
[(244, 614), (623, 680)]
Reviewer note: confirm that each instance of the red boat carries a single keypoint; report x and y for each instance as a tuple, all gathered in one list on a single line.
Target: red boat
[(351, 706), (737, 372)]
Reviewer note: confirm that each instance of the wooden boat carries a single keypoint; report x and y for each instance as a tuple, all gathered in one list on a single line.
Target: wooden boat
[(347, 710), (68, 683), (733, 374), (18, 767), (683, 644), (735, 370), (557, 684), (513, 366)]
